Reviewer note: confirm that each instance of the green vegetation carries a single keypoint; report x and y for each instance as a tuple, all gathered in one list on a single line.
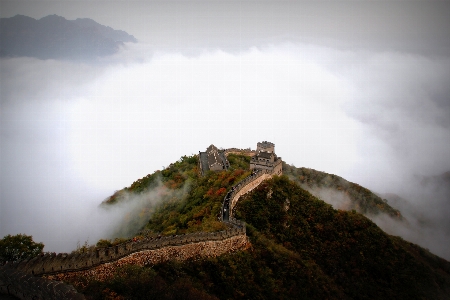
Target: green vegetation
[(18, 247), (172, 177), (177, 200), (200, 208), (238, 161), (302, 248), (151, 192), (361, 199)]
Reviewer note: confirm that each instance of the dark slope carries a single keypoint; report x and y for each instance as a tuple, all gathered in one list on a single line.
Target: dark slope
[(302, 249), (352, 251), (54, 37)]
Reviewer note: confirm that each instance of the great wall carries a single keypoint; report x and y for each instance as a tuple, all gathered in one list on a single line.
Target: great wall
[(41, 277)]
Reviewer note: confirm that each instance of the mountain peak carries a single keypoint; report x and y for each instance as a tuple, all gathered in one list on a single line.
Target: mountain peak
[(52, 18)]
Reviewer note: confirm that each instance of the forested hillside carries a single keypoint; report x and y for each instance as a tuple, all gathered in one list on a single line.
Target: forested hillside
[(302, 248), (339, 192), (177, 200)]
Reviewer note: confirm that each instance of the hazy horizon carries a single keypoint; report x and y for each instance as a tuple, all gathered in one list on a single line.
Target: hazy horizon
[(354, 88)]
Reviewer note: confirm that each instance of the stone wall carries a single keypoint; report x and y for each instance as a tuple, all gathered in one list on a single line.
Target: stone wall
[(244, 186), (247, 188), (23, 285), (247, 152), (26, 286), (19, 279), (63, 262), (152, 257)]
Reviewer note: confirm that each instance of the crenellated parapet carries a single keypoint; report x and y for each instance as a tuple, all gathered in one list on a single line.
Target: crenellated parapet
[(63, 262), (189, 251), (26, 286), (242, 187)]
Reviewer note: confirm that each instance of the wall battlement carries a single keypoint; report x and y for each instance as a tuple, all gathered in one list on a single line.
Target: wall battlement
[(242, 187), (22, 279), (63, 262), (26, 286)]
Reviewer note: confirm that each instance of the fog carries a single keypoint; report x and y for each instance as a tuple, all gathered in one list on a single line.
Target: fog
[(425, 203), (424, 218), (369, 104)]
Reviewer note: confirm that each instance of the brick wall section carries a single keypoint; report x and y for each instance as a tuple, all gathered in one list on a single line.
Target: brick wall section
[(63, 262), (247, 188), (152, 257), (244, 186), (20, 280), (26, 286), (247, 152)]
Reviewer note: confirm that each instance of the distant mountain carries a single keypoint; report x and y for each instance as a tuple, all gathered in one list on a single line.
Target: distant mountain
[(54, 37), (340, 193), (428, 203), (105, 31)]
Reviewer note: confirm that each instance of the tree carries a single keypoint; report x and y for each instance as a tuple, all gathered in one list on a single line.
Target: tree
[(18, 247)]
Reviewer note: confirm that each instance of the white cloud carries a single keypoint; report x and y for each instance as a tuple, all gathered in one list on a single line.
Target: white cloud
[(141, 114), (77, 131)]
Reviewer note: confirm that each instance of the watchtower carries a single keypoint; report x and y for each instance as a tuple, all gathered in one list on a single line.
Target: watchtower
[(212, 159), (266, 159)]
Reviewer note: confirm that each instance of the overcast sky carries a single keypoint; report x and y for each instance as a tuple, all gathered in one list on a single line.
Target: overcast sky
[(354, 88)]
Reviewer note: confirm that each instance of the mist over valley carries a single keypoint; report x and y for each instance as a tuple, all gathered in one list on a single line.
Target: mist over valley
[(92, 100)]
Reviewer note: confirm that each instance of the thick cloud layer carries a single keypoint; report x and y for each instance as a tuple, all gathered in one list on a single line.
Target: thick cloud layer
[(358, 89), (71, 134)]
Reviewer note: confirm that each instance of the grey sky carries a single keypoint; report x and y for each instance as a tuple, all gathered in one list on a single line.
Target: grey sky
[(358, 89), (412, 26)]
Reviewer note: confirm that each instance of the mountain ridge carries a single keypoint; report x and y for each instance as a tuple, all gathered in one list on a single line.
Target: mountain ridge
[(54, 37), (348, 254), (301, 247)]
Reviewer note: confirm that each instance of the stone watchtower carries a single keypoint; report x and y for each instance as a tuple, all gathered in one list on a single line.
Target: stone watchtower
[(266, 159), (213, 159)]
